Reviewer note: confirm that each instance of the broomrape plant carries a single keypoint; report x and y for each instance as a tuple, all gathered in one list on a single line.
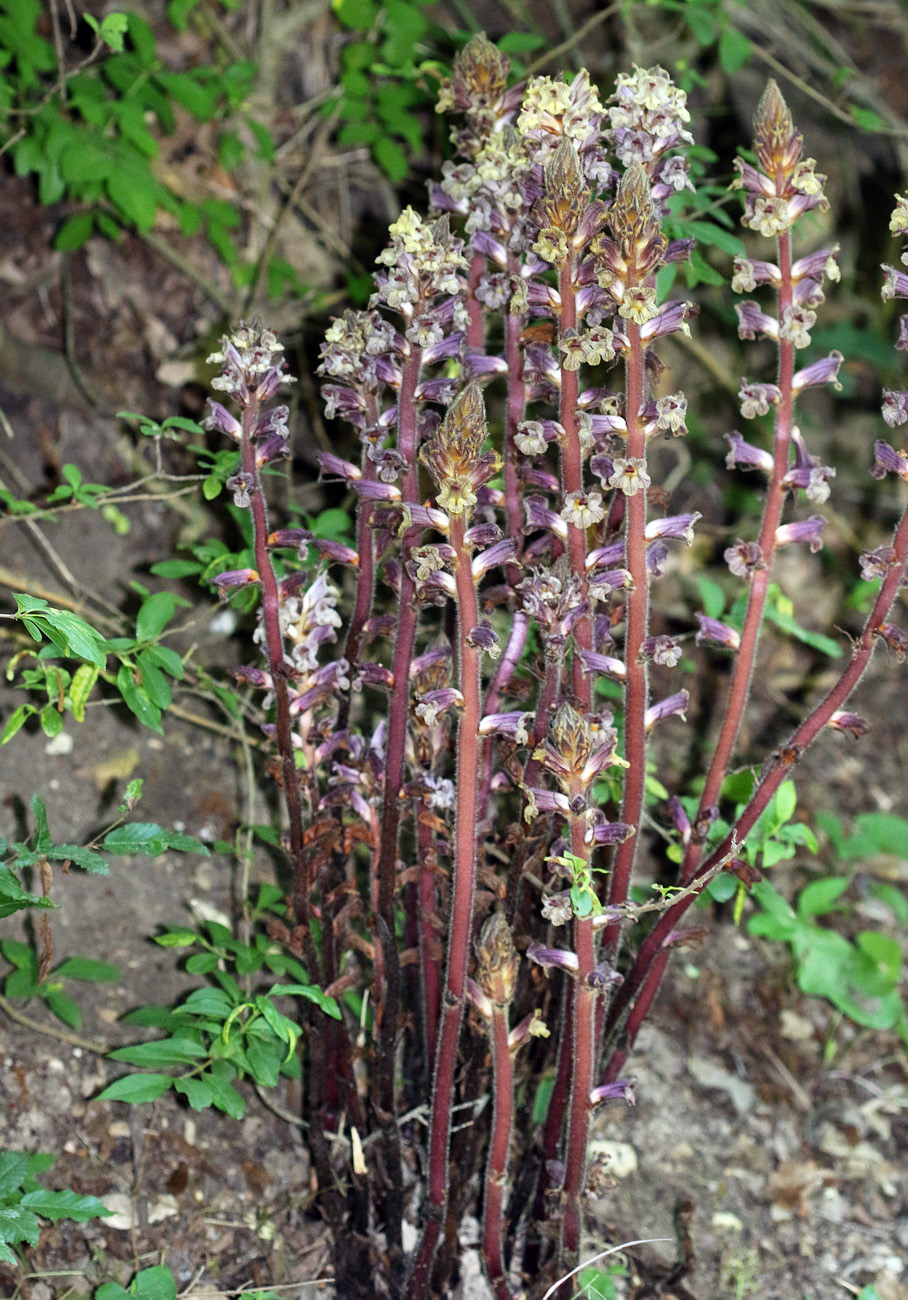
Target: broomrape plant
[(464, 752)]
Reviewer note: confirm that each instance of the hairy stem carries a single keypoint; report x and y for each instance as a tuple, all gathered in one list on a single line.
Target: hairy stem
[(461, 914), (742, 673)]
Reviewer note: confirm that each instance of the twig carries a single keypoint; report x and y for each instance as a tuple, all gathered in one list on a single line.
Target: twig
[(51, 1031)]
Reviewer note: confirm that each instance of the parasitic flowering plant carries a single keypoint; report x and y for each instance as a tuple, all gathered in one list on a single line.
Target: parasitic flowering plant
[(466, 706)]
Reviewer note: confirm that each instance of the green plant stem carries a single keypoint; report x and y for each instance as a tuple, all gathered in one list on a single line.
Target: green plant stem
[(460, 912), (742, 672)]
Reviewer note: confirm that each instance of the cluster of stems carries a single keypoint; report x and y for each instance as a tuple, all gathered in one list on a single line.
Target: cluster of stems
[(467, 782)]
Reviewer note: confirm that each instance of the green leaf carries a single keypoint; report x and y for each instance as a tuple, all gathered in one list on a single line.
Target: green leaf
[(137, 699), (176, 568), (51, 721), (112, 1291), (167, 1051), (391, 159), (177, 939), (196, 1091), (358, 14), (734, 51), (208, 1002), (80, 857), (224, 1096), (75, 232), (264, 1061), (712, 596), (19, 1225), (877, 833), (64, 1008), (85, 968), (151, 840), (86, 160), (520, 42), (132, 190), (43, 839), (16, 721), (13, 1171), (820, 896), (156, 1283), (154, 615), (884, 951), (867, 119), (64, 1205), (283, 1026), (816, 640), (81, 687), (137, 1088), (21, 955)]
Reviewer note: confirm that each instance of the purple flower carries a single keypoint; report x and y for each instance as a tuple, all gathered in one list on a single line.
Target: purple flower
[(753, 321), (328, 463), (433, 703), (889, 461), (516, 726), (756, 399), (540, 515), (716, 633), (824, 371), (557, 957), (605, 664), (812, 478), (680, 527), (620, 1090), (802, 530), (748, 274), (557, 908), (895, 284), (219, 420), (663, 650), (744, 558), (853, 723), (670, 319), (680, 819), (605, 832), (796, 324), (271, 449), (484, 638), (744, 453), (895, 639), (241, 485), (503, 552), (895, 407), (676, 703), (234, 580), (876, 564)]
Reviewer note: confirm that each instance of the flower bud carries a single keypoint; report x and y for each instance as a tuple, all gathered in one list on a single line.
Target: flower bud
[(498, 961)]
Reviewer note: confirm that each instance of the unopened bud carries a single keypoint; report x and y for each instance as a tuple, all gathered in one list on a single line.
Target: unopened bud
[(498, 961)]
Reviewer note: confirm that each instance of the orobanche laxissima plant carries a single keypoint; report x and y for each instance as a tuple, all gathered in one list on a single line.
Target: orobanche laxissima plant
[(467, 777)]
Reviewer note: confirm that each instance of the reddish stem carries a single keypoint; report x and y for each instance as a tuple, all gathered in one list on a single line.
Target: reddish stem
[(742, 673), (642, 980), (499, 1148), (390, 820), (636, 623), (461, 914)]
